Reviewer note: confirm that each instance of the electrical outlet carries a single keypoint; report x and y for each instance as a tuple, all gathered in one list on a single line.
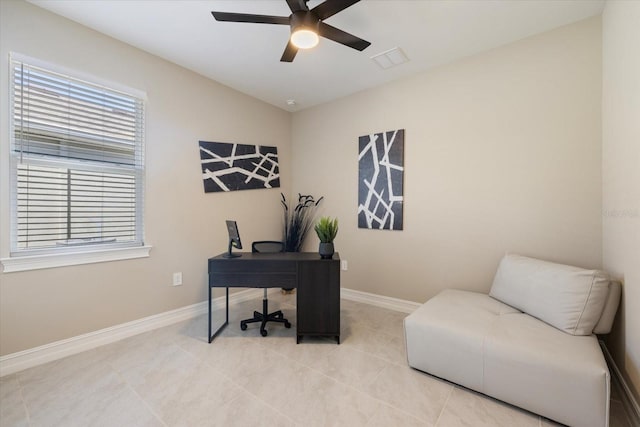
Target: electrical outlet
[(177, 279), (344, 265)]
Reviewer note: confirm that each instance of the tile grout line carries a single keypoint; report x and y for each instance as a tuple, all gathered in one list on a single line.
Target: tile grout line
[(377, 357), (144, 401), (231, 380), (23, 400), (354, 389), (261, 401), (348, 386), (446, 402)]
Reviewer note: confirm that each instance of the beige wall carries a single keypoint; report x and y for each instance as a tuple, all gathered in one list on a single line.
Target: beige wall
[(502, 153), (621, 175), (184, 225)]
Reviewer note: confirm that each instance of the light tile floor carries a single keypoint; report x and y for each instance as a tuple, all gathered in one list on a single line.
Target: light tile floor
[(173, 377)]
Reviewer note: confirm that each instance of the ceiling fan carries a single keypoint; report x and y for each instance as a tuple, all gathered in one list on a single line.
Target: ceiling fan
[(306, 25)]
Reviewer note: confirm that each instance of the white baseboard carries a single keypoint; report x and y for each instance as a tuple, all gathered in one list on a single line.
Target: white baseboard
[(390, 303), (56, 350), (629, 402)]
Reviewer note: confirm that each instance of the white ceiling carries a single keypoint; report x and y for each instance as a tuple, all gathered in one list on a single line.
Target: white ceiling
[(246, 56)]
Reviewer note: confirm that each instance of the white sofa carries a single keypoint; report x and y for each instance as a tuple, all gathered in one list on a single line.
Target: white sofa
[(531, 342)]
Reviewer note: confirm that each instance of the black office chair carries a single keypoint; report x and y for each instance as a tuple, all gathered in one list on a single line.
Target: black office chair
[(265, 316)]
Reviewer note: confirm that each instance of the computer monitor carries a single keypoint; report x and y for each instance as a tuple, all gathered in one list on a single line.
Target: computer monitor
[(234, 239)]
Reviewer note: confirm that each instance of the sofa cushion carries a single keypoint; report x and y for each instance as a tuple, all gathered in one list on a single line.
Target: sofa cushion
[(535, 366), (445, 336), (567, 297)]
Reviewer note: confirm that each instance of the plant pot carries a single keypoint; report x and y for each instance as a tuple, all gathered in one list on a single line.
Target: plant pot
[(326, 250)]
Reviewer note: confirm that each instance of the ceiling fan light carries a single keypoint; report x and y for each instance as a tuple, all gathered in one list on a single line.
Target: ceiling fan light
[(304, 38)]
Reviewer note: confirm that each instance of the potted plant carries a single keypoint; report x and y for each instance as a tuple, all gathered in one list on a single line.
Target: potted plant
[(326, 229)]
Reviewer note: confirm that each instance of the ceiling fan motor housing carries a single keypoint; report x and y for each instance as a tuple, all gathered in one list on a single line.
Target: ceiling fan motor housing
[(306, 20)]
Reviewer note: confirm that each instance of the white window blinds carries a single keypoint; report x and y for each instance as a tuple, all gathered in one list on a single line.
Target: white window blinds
[(77, 159)]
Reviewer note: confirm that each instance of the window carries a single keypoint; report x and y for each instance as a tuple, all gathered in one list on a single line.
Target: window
[(77, 164)]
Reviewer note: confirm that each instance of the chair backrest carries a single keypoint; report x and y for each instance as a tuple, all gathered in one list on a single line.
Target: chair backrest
[(267, 246)]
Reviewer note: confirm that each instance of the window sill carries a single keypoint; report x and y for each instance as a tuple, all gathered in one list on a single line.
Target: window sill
[(35, 262)]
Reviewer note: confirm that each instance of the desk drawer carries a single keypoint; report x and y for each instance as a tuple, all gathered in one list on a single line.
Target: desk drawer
[(252, 265), (253, 280)]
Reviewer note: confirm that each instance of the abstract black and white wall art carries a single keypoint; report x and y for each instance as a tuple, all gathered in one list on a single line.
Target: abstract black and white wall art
[(230, 167), (380, 180)]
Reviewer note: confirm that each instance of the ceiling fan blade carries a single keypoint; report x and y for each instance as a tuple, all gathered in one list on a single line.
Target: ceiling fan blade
[(255, 19), (297, 5), (331, 7), (332, 33), (289, 53)]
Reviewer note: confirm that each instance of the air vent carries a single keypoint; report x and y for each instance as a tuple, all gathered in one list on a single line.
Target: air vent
[(390, 58)]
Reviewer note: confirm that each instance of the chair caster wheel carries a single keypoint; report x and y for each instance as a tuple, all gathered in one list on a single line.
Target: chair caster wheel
[(287, 324), (263, 332), (243, 326)]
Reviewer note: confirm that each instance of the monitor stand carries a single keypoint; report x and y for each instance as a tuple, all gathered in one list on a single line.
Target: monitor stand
[(230, 254)]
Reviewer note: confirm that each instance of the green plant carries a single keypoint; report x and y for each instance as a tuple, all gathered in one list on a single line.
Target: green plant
[(327, 229), (298, 222)]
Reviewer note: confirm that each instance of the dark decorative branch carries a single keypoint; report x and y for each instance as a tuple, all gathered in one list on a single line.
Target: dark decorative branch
[(298, 222)]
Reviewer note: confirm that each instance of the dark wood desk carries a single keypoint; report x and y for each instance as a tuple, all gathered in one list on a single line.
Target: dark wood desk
[(317, 281)]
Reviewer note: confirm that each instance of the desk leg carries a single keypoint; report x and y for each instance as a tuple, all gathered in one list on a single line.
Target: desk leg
[(226, 319)]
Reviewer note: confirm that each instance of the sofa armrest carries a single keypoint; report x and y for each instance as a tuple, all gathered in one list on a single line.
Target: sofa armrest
[(605, 323)]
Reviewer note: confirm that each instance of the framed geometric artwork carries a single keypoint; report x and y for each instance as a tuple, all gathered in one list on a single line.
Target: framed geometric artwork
[(231, 167), (380, 180)]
